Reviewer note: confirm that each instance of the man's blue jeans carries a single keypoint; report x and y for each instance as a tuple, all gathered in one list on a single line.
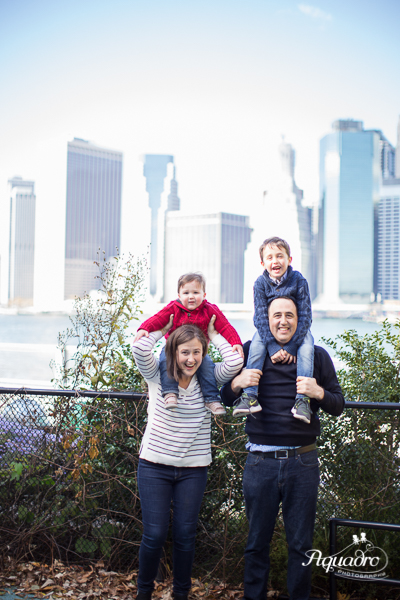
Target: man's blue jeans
[(158, 485), (305, 359), (268, 482), (205, 375)]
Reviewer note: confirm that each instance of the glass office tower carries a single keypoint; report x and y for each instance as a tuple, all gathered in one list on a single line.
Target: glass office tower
[(350, 168), (22, 242), (155, 171), (93, 220)]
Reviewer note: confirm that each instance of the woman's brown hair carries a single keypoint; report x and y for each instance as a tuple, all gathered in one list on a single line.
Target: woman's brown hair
[(183, 334)]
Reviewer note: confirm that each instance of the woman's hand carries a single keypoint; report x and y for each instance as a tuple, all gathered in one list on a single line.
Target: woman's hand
[(168, 326), (212, 332)]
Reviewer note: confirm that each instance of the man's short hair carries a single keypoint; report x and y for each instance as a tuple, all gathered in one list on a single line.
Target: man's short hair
[(274, 241), (282, 298), (188, 277)]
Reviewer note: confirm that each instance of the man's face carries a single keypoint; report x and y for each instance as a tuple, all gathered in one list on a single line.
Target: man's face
[(282, 315)]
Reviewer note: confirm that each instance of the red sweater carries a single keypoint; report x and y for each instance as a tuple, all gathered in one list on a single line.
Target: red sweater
[(200, 316)]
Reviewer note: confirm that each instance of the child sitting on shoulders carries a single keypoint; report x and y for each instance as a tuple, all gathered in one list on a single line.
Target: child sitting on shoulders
[(279, 279), (192, 307)]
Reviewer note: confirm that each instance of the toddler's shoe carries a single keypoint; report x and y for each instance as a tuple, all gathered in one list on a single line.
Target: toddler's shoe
[(246, 405), (170, 401), (215, 407), (302, 410)]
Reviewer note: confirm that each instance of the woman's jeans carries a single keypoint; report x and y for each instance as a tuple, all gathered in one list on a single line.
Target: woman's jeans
[(205, 375), (158, 485), (305, 359), (267, 484)]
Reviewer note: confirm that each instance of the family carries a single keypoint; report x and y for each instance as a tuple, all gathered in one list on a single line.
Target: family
[(280, 380)]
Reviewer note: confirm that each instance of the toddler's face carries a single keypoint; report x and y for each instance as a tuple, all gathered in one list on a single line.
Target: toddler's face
[(276, 261), (191, 295)]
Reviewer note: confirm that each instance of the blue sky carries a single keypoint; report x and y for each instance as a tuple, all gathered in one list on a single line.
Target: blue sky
[(214, 83)]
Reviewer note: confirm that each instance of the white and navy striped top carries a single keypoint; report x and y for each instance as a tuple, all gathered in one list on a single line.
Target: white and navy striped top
[(180, 437)]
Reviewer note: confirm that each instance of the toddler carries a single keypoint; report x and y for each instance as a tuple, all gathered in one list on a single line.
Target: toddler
[(192, 307), (279, 279)]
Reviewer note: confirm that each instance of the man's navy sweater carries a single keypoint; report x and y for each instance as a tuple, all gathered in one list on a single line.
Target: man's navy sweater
[(275, 425)]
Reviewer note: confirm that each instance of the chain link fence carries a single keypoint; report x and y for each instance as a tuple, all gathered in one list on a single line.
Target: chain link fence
[(68, 489)]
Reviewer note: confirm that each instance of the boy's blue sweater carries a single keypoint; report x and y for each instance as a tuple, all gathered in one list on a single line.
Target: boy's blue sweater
[(295, 286)]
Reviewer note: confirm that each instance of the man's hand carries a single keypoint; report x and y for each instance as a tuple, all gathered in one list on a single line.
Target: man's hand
[(140, 334), (239, 349), (246, 378), (309, 387), (283, 357)]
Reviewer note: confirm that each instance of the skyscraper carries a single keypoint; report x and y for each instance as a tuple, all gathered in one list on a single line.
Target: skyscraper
[(93, 220), (350, 172), (388, 281), (155, 172), (284, 198), (22, 241), (213, 244)]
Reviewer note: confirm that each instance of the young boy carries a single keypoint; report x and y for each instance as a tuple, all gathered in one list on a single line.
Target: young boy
[(279, 279), (192, 307)]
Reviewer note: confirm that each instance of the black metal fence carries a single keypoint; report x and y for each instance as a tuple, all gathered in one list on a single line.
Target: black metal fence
[(68, 486)]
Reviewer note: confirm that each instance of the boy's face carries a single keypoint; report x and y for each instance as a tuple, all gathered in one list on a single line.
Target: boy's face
[(276, 261), (191, 295)]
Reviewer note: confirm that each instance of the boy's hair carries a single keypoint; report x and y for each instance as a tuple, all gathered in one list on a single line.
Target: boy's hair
[(183, 334), (274, 241), (188, 277)]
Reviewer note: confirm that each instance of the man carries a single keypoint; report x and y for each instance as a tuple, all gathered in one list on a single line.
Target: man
[(282, 464)]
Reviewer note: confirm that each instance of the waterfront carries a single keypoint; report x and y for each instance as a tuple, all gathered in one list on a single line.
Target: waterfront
[(29, 342)]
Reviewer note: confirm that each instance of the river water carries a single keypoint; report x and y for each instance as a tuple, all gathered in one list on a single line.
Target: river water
[(28, 343)]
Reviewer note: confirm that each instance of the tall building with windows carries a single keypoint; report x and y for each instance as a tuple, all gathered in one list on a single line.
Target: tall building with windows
[(350, 174), (22, 242), (213, 244), (155, 171), (93, 219), (388, 284)]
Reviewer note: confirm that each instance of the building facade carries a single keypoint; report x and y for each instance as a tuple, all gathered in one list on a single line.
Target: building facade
[(213, 244), (389, 240), (350, 175), (155, 168), (93, 215), (22, 242)]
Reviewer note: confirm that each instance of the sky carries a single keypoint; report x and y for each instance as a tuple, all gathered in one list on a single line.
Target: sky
[(214, 83)]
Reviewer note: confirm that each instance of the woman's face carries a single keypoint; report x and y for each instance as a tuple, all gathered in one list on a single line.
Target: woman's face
[(189, 356)]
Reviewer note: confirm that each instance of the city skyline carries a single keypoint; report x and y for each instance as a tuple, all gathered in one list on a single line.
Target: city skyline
[(214, 85)]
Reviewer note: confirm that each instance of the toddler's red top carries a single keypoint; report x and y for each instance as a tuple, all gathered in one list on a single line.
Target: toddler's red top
[(199, 316)]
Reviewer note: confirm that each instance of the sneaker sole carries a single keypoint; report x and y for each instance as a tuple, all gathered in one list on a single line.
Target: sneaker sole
[(246, 411), (301, 418)]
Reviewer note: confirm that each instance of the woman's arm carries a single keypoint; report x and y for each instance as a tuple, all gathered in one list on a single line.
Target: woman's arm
[(231, 361), (143, 352)]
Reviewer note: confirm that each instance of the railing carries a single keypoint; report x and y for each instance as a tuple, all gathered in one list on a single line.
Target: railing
[(68, 488)]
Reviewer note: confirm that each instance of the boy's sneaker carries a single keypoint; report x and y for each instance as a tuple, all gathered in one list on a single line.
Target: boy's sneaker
[(215, 407), (170, 401), (302, 410), (246, 405)]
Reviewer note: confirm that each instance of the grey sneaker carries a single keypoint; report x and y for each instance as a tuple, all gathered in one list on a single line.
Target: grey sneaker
[(301, 409), (245, 405)]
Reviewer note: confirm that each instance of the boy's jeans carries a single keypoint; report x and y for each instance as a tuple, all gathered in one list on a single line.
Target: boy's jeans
[(305, 359), (205, 375)]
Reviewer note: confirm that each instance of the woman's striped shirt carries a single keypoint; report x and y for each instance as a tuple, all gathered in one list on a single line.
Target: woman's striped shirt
[(181, 436)]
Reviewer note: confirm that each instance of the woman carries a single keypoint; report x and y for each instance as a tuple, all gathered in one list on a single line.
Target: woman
[(176, 450)]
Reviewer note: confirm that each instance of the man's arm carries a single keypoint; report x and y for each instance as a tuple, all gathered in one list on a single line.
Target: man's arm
[(246, 378), (324, 388)]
